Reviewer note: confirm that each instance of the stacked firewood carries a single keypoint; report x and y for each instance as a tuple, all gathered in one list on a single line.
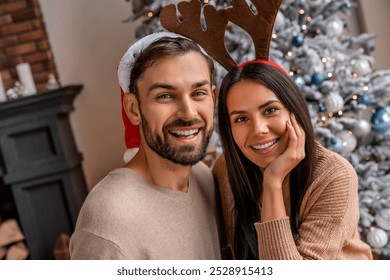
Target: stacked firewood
[(12, 246)]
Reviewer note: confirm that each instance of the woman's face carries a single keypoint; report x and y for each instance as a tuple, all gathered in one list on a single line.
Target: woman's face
[(258, 120)]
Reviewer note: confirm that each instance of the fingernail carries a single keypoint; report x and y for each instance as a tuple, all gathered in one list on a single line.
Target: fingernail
[(292, 115), (289, 123)]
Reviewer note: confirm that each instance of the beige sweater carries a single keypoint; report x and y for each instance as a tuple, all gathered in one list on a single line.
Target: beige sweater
[(329, 215), (124, 217)]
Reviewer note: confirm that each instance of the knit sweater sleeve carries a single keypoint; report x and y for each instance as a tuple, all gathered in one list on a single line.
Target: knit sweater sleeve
[(328, 213)]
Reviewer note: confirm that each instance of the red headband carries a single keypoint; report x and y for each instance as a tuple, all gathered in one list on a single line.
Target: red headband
[(268, 62)]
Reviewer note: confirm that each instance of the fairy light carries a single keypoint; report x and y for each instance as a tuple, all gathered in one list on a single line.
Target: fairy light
[(355, 75), (318, 30), (274, 36), (308, 19), (365, 88), (324, 59), (330, 115), (323, 118), (355, 97), (340, 113), (304, 27), (330, 75), (206, 1), (301, 11), (291, 73), (289, 53), (150, 14)]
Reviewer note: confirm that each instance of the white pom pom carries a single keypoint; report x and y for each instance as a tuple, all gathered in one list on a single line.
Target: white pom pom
[(129, 154)]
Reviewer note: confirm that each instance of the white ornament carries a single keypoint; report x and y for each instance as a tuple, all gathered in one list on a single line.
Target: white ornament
[(334, 27), (348, 139), (333, 102), (377, 238), (382, 218), (360, 66)]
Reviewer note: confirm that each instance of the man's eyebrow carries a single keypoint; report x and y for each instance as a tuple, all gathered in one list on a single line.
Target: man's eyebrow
[(200, 84), (162, 86), (171, 87)]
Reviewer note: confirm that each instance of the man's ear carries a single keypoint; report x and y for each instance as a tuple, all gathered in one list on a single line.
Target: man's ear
[(131, 107)]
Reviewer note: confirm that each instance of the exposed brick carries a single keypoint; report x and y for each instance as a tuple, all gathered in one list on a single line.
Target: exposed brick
[(41, 87), (12, 6), (37, 24), (21, 49), (10, 63), (43, 45), (32, 36), (5, 75), (24, 15), (16, 28), (4, 19), (40, 77), (36, 57), (37, 67), (8, 41)]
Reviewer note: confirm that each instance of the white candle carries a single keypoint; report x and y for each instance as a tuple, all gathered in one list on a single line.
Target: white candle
[(2, 91), (26, 78)]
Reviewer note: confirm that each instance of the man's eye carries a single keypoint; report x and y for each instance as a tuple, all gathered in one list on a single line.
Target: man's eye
[(164, 96), (199, 93)]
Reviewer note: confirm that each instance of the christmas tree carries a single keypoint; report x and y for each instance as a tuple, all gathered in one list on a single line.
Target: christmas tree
[(349, 101)]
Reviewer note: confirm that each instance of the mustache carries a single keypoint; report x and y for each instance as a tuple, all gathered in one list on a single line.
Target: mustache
[(184, 123)]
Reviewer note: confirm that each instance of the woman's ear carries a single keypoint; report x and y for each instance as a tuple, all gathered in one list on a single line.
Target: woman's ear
[(131, 107)]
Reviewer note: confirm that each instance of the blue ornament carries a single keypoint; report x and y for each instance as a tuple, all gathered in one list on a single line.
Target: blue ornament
[(321, 108), (335, 144), (347, 6), (317, 79), (299, 80), (365, 99), (381, 119), (297, 41)]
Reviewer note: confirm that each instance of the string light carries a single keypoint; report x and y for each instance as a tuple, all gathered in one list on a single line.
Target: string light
[(365, 88), (301, 11), (150, 14), (289, 53), (304, 27), (308, 19), (330, 75), (274, 36), (355, 97)]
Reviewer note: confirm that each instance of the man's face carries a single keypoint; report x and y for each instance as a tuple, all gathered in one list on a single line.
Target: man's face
[(177, 107)]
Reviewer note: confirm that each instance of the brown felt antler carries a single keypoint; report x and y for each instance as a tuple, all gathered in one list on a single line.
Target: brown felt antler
[(258, 26), (212, 39)]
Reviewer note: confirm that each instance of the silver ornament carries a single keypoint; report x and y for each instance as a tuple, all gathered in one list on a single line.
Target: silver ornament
[(361, 129), (333, 102), (377, 238), (348, 139), (382, 218), (360, 66)]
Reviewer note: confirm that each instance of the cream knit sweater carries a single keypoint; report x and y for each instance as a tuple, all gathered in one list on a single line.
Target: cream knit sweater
[(329, 215)]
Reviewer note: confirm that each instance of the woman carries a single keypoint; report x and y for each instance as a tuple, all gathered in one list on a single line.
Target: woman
[(283, 195)]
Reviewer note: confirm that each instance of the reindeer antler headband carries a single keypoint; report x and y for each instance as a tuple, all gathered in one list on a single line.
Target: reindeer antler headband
[(259, 26)]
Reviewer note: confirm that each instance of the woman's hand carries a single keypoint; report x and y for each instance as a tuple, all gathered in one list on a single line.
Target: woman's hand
[(294, 153), (274, 175)]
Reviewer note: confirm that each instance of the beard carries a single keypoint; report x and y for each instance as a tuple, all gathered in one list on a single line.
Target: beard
[(186, 155)]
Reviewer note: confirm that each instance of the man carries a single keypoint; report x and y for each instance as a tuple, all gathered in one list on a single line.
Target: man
[(161, 204)]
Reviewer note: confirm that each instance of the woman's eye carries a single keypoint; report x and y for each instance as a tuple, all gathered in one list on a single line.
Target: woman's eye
[(271, 110), (240, 119)]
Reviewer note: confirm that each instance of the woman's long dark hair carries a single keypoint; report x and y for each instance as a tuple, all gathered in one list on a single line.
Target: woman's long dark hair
[(244, 176)]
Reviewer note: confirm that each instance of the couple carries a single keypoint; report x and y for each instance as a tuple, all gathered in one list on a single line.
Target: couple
[(279, 194)]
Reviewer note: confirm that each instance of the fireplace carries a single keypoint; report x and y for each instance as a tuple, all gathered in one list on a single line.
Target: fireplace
[(42, 184)]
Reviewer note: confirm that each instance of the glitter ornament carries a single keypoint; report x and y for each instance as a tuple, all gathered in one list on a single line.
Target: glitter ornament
[(377, 238), (333, 102), (382, 218)]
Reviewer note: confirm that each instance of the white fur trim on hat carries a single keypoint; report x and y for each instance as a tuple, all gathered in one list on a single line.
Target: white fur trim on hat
[(129, 154), (128, 59)]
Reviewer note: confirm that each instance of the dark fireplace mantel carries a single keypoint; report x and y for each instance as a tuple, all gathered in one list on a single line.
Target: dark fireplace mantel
[(41, 166)]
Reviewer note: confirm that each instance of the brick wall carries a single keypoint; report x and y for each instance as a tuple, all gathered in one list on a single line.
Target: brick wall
[(23, 38)]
